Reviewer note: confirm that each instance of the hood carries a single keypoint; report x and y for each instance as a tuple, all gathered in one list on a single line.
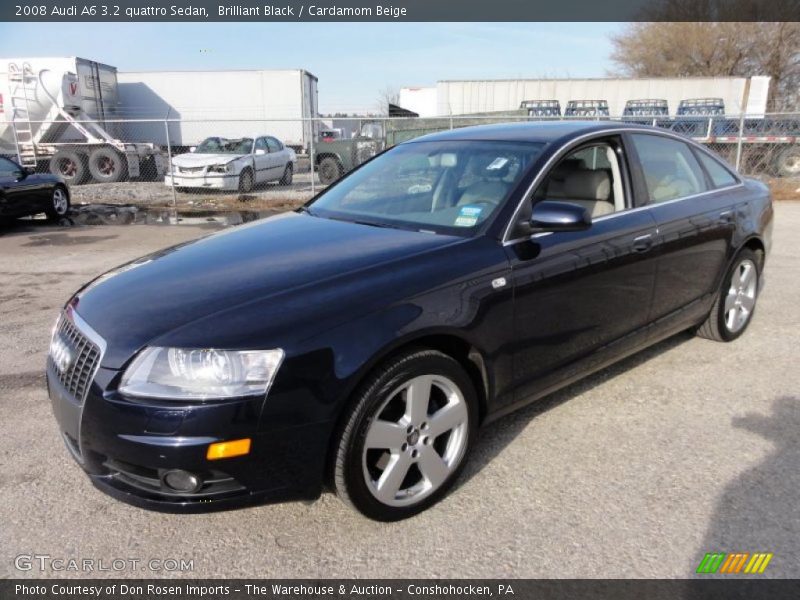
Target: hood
[(287, 256), (194, 159)]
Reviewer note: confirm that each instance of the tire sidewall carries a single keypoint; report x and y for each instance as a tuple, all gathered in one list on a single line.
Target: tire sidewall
[(119, 174), (51, 211), (333, 165), (288, 172), (244, 176), (370, 400), (725, 333), (53, 201)]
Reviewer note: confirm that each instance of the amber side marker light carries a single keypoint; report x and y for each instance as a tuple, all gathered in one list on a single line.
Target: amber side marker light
[(228, 449)]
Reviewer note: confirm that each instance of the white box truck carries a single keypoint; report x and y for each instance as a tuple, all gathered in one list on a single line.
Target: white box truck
[(58, 114), (234, 103)]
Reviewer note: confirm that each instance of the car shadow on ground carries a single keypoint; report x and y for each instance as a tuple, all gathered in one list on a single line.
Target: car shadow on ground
[(759, 510), (493, 438)]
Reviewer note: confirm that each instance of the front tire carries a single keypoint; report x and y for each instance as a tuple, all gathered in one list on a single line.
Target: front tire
[(329, 170), (407, 436), (734, 307), (246, 181)]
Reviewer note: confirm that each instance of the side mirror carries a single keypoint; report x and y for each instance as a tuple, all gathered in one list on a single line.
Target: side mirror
[(20, 174), (192, 148), (260, 151), (552, 215), (29, 170)]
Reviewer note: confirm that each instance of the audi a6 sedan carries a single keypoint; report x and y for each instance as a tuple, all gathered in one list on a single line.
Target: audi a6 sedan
[(358, 343)]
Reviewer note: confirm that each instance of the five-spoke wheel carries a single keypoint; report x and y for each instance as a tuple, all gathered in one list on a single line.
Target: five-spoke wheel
[(734, 307), (407, 435)]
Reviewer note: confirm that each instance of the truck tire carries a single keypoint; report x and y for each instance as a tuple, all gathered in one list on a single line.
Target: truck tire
[(69, 165), (329, 170), (788, 162), (107, 165)]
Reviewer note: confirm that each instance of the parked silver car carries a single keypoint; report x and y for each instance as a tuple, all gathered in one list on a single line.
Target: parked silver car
[(233, 164)]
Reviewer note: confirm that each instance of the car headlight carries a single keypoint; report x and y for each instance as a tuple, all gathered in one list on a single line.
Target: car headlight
[(200, 374), (226, 168)]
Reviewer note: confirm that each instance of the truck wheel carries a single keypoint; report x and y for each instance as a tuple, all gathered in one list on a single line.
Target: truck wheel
[(107, 165), (329, 170), (788, 162), (69, 165)]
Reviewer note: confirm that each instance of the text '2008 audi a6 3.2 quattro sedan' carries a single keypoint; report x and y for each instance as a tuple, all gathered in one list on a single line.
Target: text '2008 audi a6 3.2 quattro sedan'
[(358, 343)]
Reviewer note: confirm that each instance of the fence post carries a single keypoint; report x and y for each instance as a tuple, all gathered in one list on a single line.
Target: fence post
[(169, 166), (739, 143), (745, 100), (311, 158)]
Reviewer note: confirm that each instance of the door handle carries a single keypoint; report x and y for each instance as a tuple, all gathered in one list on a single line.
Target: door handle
[(726, 216), (642, 243)]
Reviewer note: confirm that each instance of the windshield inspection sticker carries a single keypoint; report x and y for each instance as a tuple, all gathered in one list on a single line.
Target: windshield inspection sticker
[(468, 216), (497, 164)]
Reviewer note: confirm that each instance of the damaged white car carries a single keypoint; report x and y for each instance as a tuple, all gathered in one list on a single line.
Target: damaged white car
[(233, 164)]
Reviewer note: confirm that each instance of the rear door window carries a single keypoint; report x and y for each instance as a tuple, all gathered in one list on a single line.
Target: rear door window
[(670, 168)]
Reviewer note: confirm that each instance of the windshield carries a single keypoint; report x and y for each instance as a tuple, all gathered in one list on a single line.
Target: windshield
[(447, 187), (216, 145)]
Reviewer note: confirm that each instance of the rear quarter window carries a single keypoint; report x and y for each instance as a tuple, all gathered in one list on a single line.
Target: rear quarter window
[(719, 174)]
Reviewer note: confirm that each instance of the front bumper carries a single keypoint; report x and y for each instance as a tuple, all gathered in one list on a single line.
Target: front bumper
[(127, 446), (212, 181)]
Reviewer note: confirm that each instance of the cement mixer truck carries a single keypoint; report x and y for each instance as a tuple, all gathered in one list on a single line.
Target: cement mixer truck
[(57, 115)]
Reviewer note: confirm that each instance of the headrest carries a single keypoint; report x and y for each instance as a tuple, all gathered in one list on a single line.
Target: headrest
[(565, 167), (586, 184)]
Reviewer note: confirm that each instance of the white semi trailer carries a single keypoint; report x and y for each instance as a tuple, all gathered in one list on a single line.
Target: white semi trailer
[(56, 114), (182, 108)]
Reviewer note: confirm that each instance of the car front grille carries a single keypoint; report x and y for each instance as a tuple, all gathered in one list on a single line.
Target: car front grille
[(73, 358), (191, 169)]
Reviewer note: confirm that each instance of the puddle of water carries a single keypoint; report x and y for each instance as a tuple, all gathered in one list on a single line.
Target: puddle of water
[(113, 214)]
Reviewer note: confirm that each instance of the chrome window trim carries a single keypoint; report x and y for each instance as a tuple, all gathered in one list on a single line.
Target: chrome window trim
[(588, 136)]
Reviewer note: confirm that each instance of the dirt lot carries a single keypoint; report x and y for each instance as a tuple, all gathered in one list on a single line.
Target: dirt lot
[(690, 447)]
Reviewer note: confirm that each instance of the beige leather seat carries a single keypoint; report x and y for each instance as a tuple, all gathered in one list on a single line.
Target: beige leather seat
[(590, 189)]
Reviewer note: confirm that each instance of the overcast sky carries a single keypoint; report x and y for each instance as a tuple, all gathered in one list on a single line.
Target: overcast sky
[(353, 61)]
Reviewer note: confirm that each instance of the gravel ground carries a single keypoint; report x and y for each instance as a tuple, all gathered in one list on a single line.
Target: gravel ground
[(691, 446)]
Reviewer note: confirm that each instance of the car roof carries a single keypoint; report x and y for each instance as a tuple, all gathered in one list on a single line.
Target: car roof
[(539, 131)]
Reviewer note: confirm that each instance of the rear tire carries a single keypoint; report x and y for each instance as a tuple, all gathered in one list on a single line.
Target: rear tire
[(396, 457), (288, 172), (70, 166), (736, 302), (107, 165), (59, 203), (788, 162)]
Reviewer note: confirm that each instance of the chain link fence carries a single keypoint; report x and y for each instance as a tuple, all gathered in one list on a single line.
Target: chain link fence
[(279, 164)]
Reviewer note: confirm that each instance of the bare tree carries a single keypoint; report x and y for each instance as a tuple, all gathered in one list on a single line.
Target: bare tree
[(388, 95), (685, 49)]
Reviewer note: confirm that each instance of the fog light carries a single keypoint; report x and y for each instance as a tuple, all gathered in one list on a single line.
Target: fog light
[(182, 481), (228, 449)]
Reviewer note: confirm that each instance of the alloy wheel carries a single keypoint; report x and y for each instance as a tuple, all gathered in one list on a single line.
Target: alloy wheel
[(741, 298), (416, 440), (60, 203)]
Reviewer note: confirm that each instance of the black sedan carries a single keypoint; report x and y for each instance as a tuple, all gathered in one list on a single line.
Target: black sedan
[(23, 192), (357, 344)]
